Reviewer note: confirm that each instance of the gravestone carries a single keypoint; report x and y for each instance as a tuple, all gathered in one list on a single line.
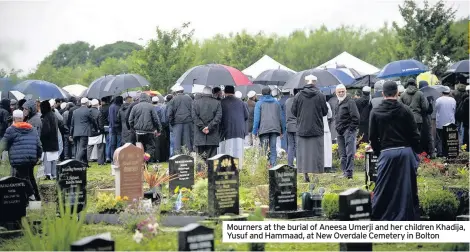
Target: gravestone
[(355, 205), (129, 161), (195, 237), (13, 201), (370, 167), (450, 141), (223, 179), (71, 177), (283, 193), (101, 242), (183, 166)]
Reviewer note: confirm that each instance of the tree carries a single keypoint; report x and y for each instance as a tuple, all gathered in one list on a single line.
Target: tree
[(118, 50), (461, 28), (425, 35), (69, 54)]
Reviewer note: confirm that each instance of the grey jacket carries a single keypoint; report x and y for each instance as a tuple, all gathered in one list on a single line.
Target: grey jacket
[(82, 122), (179, 109), (416, 101), (268, 117), (34, 118), (206, 112), (143, 118), (291, 124)]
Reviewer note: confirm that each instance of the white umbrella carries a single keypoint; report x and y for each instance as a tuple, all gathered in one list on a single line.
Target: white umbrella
[(17, 95), (75, 89)]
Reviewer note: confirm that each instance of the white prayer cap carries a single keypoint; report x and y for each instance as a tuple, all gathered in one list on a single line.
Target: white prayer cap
[(155, 99), (84, 100), (285, 91), (467, 88), (446, 90), (311, 77), (401, 89), (238, 94), (340, 86), (251, 94), (366, 89), (52, 102), (178, 88), (207, 90), (63, 105), (17, 114), (94, 102)]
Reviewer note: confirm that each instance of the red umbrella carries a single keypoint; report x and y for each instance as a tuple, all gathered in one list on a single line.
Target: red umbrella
[(214, 75)]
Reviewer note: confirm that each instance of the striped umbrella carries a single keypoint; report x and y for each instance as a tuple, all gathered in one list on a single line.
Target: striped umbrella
[(213, 75)]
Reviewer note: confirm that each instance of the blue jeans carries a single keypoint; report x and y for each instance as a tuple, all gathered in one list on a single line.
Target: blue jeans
[(172, 144), (291, 148), (270, 139), (347, 150), (115, 142), (284, 142), (182, 137)]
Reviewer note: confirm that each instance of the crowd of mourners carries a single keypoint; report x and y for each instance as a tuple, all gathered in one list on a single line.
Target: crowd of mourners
[(398, 121)]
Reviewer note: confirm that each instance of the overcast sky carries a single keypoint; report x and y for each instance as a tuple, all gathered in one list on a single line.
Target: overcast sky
[(30, 30)]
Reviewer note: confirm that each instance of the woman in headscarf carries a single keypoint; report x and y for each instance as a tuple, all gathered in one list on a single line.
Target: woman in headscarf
[(49, 139)]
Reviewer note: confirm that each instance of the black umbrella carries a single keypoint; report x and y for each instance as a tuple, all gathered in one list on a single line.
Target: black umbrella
[(459, 67), (123, 82), (245, 89), (275, 77), (430, 92), (367, 80), (96, 88), (324, 79)]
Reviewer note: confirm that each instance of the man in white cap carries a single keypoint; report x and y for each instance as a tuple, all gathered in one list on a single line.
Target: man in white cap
[(347, 122), (97, 138), (445, 114), (363, 107), (250, 104), (179, 114), (207, 115), (309, 107), (21, 140), (80, 129), (238, 94)]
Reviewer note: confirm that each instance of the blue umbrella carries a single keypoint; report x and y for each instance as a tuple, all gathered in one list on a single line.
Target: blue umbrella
[(402, 68), (459, 67), (345, 78), (40, 89)]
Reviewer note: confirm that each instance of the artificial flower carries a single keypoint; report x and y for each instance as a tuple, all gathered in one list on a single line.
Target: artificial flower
[(138, 236)]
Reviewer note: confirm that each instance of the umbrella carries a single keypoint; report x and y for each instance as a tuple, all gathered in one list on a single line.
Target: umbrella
[(402, 68), (136, 94), (324, 79), (429, 91), (12, 95), (152, 93), (189, 89), (96, 88), (459, 67), (42, 90), (245, 89), (429, 77), (275, 77), (366, 80), (75, 89), (345, 78), (439, 88), (125, 81), (213, 75)]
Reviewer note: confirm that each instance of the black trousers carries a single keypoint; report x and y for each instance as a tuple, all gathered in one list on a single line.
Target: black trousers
[(148, 141), (81, 144), (206, 152), (26, 172), (100, 151)]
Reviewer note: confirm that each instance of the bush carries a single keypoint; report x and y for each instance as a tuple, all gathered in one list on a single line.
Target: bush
[(440, 205), (330, 205), (255, 169)]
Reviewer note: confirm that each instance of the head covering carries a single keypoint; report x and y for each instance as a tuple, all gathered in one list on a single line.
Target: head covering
[(155, 99), (13, 102), (410, 82), (311, 77), (84, 100), (63, 105), (423, 83), (94, 102), (238, 94), (216, 90), (340, 86), (390, 87), (446, 90), (467, 88), (378, 86), (366, 89), (178, 89), (17, 114), (229, 89), (285, 91), (401, 89), (251, 94), (52, 102), (207, 90)]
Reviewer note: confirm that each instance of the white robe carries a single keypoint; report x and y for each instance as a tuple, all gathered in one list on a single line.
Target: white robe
[(233, 147), (328, 149)]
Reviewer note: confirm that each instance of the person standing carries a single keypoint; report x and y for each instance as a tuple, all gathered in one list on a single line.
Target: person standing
[(427, 139), (328, 154), (309, 107), (133, 136), (269, 123), (96, 134), (21, 140), (462, 114), (347, 122), (144, 120), (445, 114), (104, 111), (164, 139), (4, 117), (126, 135), (115, 125), (81, 126), (285, 95), (250, 104), (291, 128), (232, 128), (49, 139), (207, 115), (395, 139), (415, 99), (179, 113), (363, 107), (377, 98)]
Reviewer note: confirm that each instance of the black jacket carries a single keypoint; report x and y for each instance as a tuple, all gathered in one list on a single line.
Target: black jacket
[(5, 116), (309, 107), (206, 112), (347, 116), (50, 126), (363, 108), (105, 114), (179, 109), (392, 124), (126, 134), (462, 113), (96, 131), (128, 113), (234, 116)]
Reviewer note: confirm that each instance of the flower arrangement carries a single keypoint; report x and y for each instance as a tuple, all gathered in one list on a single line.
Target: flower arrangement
[(429, 166), (147, 228), (107, 203), (146, 157), (463, 147), (361, 151), (157, 177)]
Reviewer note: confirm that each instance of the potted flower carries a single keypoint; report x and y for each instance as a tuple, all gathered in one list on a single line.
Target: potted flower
[(155, 179)]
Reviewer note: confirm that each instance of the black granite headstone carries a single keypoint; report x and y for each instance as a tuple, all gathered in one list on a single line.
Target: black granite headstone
[(195, 237), (72, 182), (355, 205), (370, 167), (450, 141), (101, 242), (282, 188), (183, 166), (13, 201), (223, 179)]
